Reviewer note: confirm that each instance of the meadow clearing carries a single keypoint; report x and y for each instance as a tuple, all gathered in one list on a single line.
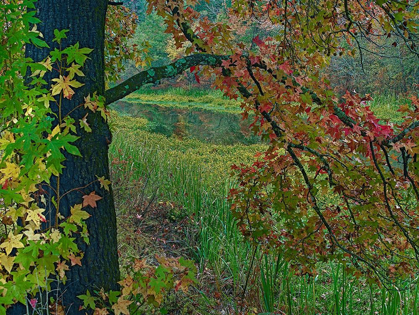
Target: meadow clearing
[(171, 199)]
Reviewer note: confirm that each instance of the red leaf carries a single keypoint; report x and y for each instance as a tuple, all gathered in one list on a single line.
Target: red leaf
[(254, 59), (193, 68), (225, 63), (265, 108), (347, 131), (42, 218), (33, 302), (286, 68), (6, 183), (197, 78), (257, 41)]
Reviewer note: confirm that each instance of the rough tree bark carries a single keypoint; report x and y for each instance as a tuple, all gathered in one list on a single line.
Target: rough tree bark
[(86, 21)]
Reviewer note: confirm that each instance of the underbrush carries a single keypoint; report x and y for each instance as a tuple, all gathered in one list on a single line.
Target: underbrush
[(173, 190)]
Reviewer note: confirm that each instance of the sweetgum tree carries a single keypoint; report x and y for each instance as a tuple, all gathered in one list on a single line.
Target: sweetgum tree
[(335, 183)]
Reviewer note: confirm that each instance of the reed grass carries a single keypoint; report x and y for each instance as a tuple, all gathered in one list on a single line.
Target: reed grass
[(194, 176)]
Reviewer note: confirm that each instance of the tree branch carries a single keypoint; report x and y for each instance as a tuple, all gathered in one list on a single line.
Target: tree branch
[(155, 74), (366, 260)]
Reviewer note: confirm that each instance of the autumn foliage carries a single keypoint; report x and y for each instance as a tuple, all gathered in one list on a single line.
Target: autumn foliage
[(336, 182)]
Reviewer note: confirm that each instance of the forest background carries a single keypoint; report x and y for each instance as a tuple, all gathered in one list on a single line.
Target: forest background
[(387, 69)]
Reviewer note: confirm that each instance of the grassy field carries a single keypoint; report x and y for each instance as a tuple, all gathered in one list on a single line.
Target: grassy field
[(173, 192)]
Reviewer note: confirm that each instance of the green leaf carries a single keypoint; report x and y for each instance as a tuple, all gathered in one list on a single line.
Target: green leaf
[(68, 227), (113, 296), (59, 35), (88, 300), (79, 55), (26, 259), (39, 42), (55, 55), (72, 149), (67, 246)]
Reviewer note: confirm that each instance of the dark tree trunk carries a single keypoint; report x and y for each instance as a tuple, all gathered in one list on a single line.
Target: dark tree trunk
[(86, 21)]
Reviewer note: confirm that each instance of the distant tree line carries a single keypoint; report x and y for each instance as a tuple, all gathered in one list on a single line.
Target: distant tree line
[(380, 68)]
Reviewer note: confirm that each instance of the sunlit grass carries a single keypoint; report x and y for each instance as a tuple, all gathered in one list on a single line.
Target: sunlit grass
[(208, 99), (385, 107)]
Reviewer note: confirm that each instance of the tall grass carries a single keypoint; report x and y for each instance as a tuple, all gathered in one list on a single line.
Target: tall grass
[(194, 176), (385, 107)]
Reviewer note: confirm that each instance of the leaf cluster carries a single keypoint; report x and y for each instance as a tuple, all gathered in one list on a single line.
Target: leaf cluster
[(144, 286)]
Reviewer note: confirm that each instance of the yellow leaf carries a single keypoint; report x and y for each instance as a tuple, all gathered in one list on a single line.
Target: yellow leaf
[(84, 124), (64, 84), (6, 139), (13, 213), (127, 285), (55, 236), (12, 241), (75, 69), (26, 197), (121, 307), (46, 98), (101, 311), (77, 214), (90, 104), (7, 262), (12, 170), (31, 235), (55, 131), (35, 216), (104, 183), (47, 64)]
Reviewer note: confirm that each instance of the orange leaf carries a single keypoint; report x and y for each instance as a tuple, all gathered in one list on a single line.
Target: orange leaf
[(90, 200), (74, 260)]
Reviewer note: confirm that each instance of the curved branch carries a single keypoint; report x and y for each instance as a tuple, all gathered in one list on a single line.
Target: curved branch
[(387, 204), (403, 133), (155, 74), (317, 209)]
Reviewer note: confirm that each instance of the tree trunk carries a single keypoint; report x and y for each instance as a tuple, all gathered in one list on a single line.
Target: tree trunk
[(86, 21)]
